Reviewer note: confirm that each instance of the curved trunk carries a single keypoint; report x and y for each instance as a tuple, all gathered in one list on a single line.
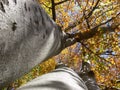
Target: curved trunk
[(27, 37), (62, 78)]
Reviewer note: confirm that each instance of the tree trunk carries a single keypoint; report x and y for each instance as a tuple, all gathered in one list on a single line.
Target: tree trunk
[(62, 78), (27, 37)]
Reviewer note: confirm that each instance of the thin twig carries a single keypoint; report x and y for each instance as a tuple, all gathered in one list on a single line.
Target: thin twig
[(107, 21), (87, 22), (61, 2), (45, 5), (104, 13), (94, 53), (84, 15), (74, 24), (91, 12)]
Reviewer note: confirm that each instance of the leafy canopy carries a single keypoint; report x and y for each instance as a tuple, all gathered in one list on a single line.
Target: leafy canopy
[(99, 23)]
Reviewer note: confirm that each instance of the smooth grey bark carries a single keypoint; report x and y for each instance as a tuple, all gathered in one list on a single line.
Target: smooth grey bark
[(62, 78), (27, 37)]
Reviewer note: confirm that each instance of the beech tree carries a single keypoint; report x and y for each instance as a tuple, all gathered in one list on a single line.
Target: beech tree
[(28, 36)]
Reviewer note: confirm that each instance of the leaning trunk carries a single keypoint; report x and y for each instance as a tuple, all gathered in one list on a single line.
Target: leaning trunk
[(27, 37)]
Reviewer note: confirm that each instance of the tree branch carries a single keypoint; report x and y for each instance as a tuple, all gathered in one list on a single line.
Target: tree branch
[(89, 34), (70, 39), (74, 24), (61, 2), (100, 15), (87, 21), (97, 29), (94, 53), (107, 20), (91, 12), (53, 10), (45, 5)]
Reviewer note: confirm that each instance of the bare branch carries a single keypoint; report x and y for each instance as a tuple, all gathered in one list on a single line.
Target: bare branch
[(92, 4), (61, 2), (85, 17), (94, 53), (45, 5), (53, 10), (102, 14), (87, 21), (89, 34), (108, 20), (91, 12), (74, 24)]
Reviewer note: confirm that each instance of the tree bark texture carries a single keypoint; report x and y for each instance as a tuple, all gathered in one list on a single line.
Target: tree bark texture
[(62, 78), (27, 37)]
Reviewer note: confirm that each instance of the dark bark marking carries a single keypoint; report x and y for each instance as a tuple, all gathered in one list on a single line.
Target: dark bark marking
[(5, 2), (36, 9), (15, 1), (29, 8), (14, 26), (25, 6), (43, 36), (30, 20), (39, 9), (46, 32), (43, 22), (2, 7), (36, 22)]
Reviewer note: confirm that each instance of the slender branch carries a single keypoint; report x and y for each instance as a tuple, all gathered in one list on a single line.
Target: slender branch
[(68, 5), (86, 4), (89, 34), (104, 13), (109, 54), (74, 24), (85, 17), (61, 2), (84, 9), (107, 20), (91, 12), (70, 39), (92, 4), (45, 5), (53, 10), (87, 21), (94, 53), (53, 7)]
